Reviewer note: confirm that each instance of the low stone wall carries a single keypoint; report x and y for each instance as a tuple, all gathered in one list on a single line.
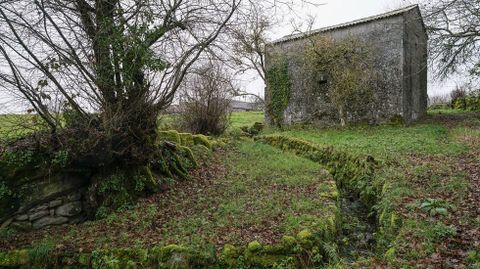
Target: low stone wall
[(68, 209), (56, 200)]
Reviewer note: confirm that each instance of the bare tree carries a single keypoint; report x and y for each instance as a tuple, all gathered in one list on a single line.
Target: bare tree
[(242, 48), (205, 99), (249, 40), (123, 60), (454, 30)]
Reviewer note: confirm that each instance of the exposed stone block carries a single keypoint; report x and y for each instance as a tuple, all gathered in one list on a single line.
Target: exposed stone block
[(78, 219), (55, 203), (21, 225), (74, 197), (22, 217), (49, 221), (38, 214), (42, 207), (70, 209)]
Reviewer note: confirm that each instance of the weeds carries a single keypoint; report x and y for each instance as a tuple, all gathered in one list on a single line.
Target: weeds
[(435, 207), (40, 254)]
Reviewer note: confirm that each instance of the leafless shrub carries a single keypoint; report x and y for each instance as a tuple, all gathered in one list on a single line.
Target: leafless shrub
[(439, 100), (205, 100), (458, 92)]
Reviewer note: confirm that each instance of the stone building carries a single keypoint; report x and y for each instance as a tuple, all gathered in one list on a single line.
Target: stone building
[(398, 41)]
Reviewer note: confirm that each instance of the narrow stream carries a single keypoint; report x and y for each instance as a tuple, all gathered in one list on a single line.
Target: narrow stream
[(358, 229)]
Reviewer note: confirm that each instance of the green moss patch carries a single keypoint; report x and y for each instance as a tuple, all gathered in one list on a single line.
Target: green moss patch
[(184, 139)]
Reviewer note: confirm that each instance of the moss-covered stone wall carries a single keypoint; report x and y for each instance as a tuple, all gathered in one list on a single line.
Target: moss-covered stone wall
[(48, 201), (32, 197)]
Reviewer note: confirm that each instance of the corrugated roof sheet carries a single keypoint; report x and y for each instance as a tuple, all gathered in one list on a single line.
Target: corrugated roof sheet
[(346, 24)]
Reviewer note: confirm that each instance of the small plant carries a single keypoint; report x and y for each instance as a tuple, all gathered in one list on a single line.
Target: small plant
[(253, 130), (473, 259), (6, 233), (437, 232), (435, 206), (149, 219), (60, 158), (40, 253)]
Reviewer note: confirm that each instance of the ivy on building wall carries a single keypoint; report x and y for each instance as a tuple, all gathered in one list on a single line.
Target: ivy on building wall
[(279, 87), (350, 75)]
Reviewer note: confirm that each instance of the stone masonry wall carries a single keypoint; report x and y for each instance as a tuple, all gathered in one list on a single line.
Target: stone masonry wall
[(68, 209), (56, 200), (415, 68)]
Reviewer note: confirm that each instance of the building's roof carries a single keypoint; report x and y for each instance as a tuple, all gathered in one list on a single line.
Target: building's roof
[(346, 24)]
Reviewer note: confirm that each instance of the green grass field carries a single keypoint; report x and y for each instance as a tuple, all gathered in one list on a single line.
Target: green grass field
[(384, 140), (426, 179), (240, 119), (431, 165), (17, 125)]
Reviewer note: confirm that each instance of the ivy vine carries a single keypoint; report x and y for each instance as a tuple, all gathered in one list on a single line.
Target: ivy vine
[(279, 87)]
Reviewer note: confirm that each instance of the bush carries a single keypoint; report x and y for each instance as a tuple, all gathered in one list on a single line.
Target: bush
[(470, 103), (253, 130), (439, 101), (465, 99), (459, 92), (205, 100)]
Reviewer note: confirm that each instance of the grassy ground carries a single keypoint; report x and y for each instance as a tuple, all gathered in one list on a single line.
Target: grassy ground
[(384, 140), (237, 120), (252, 192), (240, 119), (431, 177), (16, 125), (445, 110)]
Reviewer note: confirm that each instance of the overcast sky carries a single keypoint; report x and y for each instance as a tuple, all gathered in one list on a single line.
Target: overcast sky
[(333, 12)]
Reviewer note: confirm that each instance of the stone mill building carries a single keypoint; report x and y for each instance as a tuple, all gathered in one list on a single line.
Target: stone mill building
[(398, 42)]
